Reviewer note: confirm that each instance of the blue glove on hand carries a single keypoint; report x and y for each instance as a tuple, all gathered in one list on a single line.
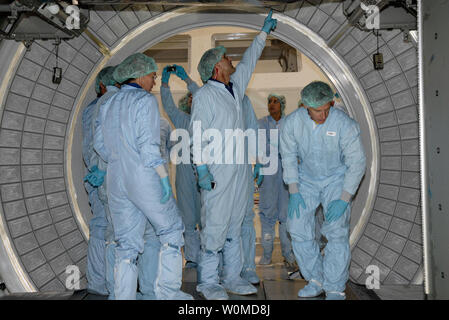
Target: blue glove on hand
[(166, 74), (89, 178), (180, 72), (204, 177), (100, 177), (294, 202), (95, 177), (269, 23), (257, 174), (335, 210), (166, 190)]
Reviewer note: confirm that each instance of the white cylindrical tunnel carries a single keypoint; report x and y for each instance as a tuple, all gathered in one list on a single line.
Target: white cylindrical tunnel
[(44, 209)]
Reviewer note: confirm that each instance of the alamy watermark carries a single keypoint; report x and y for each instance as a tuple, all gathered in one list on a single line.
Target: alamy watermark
[(228, 146), (72, 282), (73, 20), (372, 282)]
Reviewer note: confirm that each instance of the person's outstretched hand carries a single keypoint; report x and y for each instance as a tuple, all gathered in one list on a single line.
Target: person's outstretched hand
[(269, 23)]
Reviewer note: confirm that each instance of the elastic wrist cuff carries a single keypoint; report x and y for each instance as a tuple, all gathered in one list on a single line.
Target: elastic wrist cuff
[(346, 196), (161, 171), (293, 188)]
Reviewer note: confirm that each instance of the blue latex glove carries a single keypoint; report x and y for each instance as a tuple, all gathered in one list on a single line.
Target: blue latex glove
[(166, 190), (180, 72), (166, 74), (100, 177), (95, 177), (269, 23), (294, 202), (88, 177), (257, 174), (204, 177), (92, 169), (335, 210)]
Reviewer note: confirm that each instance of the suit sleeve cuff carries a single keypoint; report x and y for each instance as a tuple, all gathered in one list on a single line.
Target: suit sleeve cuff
[(346, 196), (293, 188), (161, 171)]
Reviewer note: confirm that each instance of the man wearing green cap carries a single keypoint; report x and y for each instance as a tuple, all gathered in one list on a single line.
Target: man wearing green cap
[(332, 162), (218, 106), (140, 198)]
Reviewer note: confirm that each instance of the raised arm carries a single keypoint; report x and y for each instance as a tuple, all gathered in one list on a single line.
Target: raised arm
[(176, 116), (246, 66), (179, 118), (191, 85), (182, 74)]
